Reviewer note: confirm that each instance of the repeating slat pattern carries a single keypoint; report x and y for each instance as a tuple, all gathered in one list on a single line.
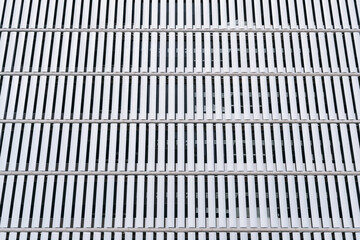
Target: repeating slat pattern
[(206, 97), (186, 52), (246, 198), (179, 147), (240, 207), (180, 14)]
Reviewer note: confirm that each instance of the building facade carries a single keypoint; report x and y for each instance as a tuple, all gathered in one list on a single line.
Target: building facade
[(180, 119)]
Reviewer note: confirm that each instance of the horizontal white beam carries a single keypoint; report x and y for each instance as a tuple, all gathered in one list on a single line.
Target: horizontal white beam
[(171, 30), (169, 121), (180, 230), (187, 173), (183, 74)]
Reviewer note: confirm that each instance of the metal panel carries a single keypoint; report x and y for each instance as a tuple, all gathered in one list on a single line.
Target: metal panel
[(182, 119)]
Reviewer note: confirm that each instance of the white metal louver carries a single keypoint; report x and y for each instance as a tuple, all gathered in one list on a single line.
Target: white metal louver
[(180, 119)]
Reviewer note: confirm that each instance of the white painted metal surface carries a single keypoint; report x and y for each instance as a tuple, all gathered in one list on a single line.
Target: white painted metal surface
[(186, 119)]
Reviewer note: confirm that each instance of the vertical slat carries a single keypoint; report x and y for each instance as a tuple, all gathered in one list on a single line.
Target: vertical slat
[(297, 146), (181, 220), (252, 192), (191, 221), (268, 148), (244, 79), (239, 148), (307, 148), (190, 148), (354, 201), (7, 14), (284, 217), (274, 208), (334, 203), (161, 141), (242, 202), (259, 148), (220, 166), (344, 202), (294, 217), (221, 201), (229, 147), (303, 195), (189, 68), (200, 164), (278, 148), (171, 179), (249, 148), (180, 147), (235, 79), (210, 163), (201, 202), (211, 202), (160, 197), (232, 202)]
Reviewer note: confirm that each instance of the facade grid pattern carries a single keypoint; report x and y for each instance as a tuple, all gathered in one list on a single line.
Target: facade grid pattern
[(180, 119)]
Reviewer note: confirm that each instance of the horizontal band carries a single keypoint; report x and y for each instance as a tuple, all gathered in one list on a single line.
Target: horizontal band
[(177, 173), (182, 230), (176, 121), (184, 74), (184, 30)]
